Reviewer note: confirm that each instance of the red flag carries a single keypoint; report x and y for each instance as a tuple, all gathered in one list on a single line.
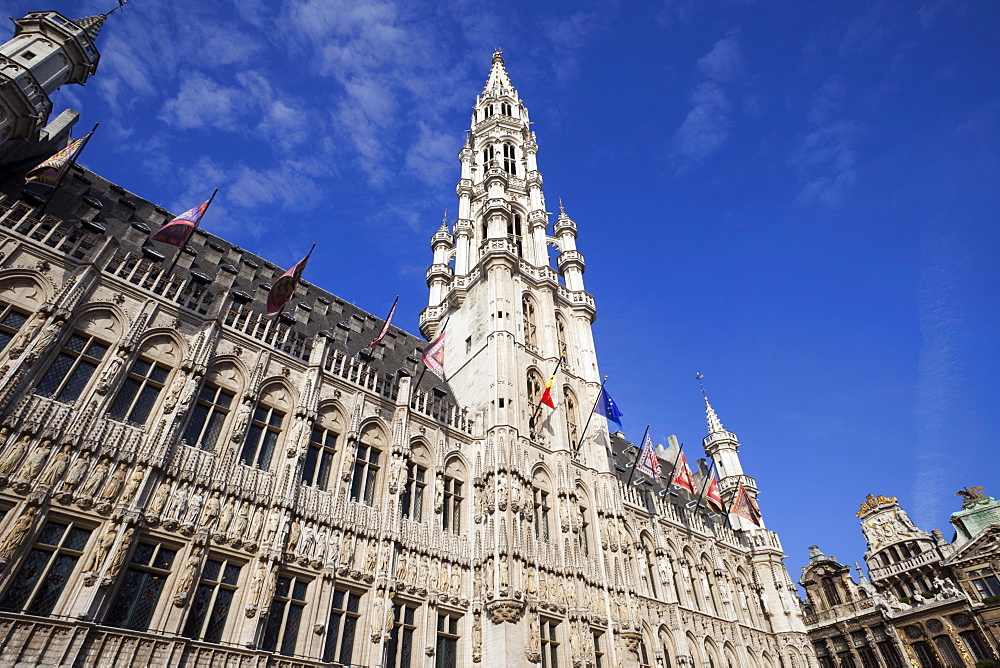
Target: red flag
[(434, 356), (683, 477), (712, 496), (48, 171), (547, 394), (179, 230), (385, 328), (284, 287), (745, 506)]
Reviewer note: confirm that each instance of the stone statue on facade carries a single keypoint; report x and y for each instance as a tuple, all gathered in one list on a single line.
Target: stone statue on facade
[(121, 553), (13, 457), (76, 473), (212, 510), (159, 499), (17, 533), (57, 467), (36, 460), (115, 484), (102, 549), (95, 478)]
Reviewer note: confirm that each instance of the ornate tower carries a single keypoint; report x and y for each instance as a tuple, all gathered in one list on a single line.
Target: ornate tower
[(723, 447), (47, 51), (492, 280)]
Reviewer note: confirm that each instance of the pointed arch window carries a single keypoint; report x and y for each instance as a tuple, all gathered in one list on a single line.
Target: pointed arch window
[(542, 509), (489, 110), (488, 155), (650, 574), (830, 589), (262, 436), (514, 232), (139, 392), (583, 537), (366, 466), (452, 497), (509, 158), (71, 370), (11, 320), (208, 416), (319, 454), (505, 109)]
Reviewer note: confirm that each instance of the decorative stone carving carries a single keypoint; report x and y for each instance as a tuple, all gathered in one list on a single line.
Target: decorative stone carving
[(36, 460), (13, 457), (102, 549), (17, 534), (505, 610), (189, 573), (95, 478), (121, 553), (57, 467)]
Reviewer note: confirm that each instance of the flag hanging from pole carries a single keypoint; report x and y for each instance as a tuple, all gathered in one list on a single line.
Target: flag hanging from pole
[(648, 463), (434, 356), (178, 231), (607, 407), (745, 506), (385, 328), (682, 476), (47, 172), (284, 287), (712, 497), (547, 394)]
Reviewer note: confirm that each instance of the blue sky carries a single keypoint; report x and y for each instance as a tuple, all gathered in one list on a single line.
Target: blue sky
[(792, 198)]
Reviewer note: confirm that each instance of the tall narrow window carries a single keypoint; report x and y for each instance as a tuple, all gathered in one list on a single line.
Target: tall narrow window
[(208, 416), (488, 154), (365, 472), (830, 589), (11, 320), (644, 656), (319, 458), (550, 643), (141, 587), (509, 162), (139, 392), (285, 617), (399, 651), (342, 628), (212, 601), (598, 649), (542, 508), (451, 514), (262, 437), (43, 574), (447, 641), (650, 575), (71, 370), (985, 582), (411, 501)]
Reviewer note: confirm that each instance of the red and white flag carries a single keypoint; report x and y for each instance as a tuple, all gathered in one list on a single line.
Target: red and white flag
[(712, 497), (683, 477), (745, 506), (648, 463), (434, 356)]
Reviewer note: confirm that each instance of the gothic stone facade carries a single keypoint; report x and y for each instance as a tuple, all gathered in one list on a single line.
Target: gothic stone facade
[(929, 603), (184, 481)]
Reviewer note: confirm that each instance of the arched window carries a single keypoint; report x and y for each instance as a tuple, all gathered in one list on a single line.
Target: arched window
[(505, 109), (830, 589), (453, 496), (509, 159), (71, 370), (569, 407), (541, 506), (489, 110), (214, 403), (514, 232), (534, 386), (488, 156), (366, 465), (583, 537), (322, 449), (692, 577), (649, 567), (265, 428), (528, 320), (411, 499), (144, 381), (709, 580)]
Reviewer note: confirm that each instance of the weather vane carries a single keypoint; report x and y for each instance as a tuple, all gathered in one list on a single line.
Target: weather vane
[(699, 376), (121, 6)]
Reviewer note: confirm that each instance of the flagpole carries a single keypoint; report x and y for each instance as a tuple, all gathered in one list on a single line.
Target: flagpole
[(704, 488), (302, 261), (642, 446), (600, 393), (65, 170), (539, 406), (180, 250)]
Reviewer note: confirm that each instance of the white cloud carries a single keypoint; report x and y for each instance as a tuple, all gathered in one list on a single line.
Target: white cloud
[(706, 126), (202, 102), (433, 156), (724, 62), (825, 159)]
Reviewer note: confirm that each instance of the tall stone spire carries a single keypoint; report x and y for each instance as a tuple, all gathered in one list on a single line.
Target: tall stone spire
[(714, 425), (91, 25)]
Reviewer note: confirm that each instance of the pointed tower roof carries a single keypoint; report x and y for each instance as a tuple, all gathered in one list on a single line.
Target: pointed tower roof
[(498, 82), (714, 424), (91, 25)]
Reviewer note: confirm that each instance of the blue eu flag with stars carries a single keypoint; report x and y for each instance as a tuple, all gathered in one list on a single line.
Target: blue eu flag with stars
[(607, 407)]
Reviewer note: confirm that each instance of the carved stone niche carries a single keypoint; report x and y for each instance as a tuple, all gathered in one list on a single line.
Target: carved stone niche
[(631, 640), (505, 611)]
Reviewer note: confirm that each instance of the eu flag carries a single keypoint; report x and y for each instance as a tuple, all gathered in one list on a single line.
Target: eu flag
[(607, 407)]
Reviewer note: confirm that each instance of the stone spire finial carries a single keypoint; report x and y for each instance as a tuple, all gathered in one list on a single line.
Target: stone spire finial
[(91, 25), (562, 210), (498, 82), (815, 555), (714, 424)]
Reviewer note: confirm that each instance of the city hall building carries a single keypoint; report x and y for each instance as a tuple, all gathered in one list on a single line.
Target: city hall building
[(186, 481)]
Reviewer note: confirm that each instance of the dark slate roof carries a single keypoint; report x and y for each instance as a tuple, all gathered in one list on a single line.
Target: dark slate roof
[(311, 311)]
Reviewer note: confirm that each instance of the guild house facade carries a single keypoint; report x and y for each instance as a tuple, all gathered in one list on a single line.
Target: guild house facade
[(185, 481)]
